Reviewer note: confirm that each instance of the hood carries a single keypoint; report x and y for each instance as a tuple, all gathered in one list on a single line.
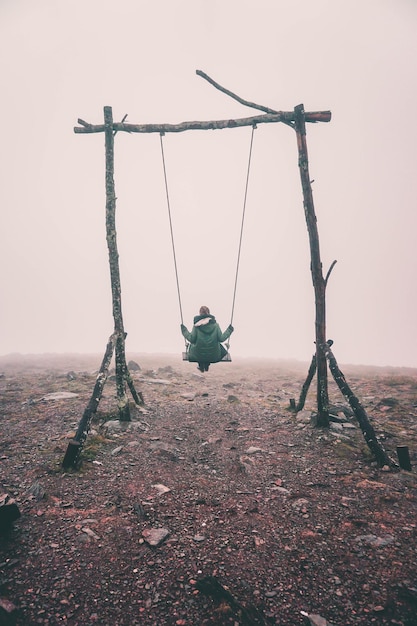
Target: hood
[(205, 323), (202, 320)]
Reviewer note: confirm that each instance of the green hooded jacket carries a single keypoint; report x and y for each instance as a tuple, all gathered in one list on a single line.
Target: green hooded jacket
[(206, 339)]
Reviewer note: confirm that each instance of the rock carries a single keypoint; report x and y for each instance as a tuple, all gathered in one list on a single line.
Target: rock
[(232, 399), (188, 396), (199, 538), (133, 366), (245, 464), (388, 402), (318, 620), (315, 620), (280, 490), (71, 376), (60, 395), (341, 410), (171, 455), (303, 417), (139, 510), (90, 532), (116, 426), (314, 420), (161, 489), (300, 504), (336, 426), (258, 541), (213, 440), (253, 450), (374, 541), (164, 450), (338, 417), (155, 536), (339, 436), (370, 484), (37, 491), (116, 450), (8, 612)]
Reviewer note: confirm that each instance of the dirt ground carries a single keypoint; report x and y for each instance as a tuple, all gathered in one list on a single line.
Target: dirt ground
[(216, 505)]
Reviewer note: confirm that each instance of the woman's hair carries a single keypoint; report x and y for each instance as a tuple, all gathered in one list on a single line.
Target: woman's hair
[(204, 310)]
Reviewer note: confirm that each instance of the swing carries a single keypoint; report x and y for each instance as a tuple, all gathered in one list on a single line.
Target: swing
[(186, 355), (226, 358)]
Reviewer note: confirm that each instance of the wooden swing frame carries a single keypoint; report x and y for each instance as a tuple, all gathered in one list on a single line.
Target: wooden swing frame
[(294, 119)]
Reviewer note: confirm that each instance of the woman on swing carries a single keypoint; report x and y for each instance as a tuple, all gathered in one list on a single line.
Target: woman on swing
[(206, 340)]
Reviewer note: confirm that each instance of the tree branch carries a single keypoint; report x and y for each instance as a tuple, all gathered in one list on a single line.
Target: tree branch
[(281, 116), (329, 272), (246, 103), (83, 123), (366, 427)]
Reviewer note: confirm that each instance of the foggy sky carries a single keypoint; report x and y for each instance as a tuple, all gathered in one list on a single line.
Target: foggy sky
[(60, 61)]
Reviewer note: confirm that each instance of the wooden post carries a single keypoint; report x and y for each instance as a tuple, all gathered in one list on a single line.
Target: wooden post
[(368, 431), (120, 356), (404, 458), (75, 446), (304, 390), (319, 282)]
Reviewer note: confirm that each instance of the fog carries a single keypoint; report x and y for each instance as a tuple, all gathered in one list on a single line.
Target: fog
[(65, 60)]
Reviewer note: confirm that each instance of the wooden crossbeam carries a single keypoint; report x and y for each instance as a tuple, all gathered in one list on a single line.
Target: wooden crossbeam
[(268, 118)]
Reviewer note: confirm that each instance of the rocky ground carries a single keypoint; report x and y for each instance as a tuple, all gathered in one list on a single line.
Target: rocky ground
[(216, 505)]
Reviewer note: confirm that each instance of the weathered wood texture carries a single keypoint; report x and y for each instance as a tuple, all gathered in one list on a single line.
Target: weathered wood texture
[(404, 460), (246, 103), (304, 390), (111, 236), (271, 116), (282, 116), (368, 431), (75, 446), (122, 372), (319, 282)]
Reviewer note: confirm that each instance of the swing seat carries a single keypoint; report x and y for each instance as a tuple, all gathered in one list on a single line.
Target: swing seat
[(225, 359)]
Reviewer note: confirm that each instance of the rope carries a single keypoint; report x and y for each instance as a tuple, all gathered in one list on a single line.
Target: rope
[(241, 228), (171, 229), (243, 221)]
